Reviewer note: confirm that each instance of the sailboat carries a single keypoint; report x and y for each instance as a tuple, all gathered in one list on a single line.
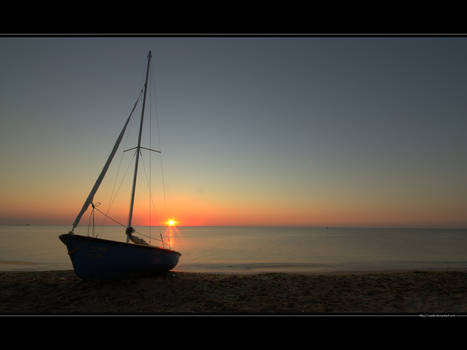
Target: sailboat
[(96, 258)]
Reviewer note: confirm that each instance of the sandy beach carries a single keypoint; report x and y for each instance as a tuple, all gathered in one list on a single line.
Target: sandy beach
[(62, 292)]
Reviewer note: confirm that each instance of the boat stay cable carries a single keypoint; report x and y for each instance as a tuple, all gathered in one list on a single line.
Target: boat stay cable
[(119, 223)]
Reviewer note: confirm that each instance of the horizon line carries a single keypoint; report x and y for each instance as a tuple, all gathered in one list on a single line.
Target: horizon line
[(272, 226)]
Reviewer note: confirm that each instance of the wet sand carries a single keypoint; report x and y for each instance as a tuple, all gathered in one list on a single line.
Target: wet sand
[(62, 292)]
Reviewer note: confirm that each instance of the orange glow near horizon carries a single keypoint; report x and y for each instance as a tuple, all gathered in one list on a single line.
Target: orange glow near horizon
[(193, 210)]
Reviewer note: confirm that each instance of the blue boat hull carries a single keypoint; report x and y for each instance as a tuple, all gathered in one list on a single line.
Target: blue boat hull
[(102, 259)]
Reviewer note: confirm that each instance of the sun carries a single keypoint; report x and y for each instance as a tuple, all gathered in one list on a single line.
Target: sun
[(171, 222)]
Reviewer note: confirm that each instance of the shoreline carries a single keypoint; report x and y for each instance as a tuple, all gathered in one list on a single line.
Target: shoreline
[(380, 292)]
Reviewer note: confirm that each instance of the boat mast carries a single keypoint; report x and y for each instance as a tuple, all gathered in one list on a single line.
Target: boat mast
[(129, 230)]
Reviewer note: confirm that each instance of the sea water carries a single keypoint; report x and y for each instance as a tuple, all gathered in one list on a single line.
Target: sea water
[(256, 249)]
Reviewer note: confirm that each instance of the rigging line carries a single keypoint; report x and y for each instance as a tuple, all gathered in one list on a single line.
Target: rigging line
[(89, 221), (145, 235), (121, 157), (119, 223), (109, 217), (115, 194), (115, 188), (159, 142), (145, 177), (93, 223), (91, 218), (150, 146), (150, 198), (163, 185)]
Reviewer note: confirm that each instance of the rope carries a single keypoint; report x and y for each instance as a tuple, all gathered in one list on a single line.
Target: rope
[(150, 146), (91, 218), (119, 223), (159, 142), (115, 193), (115, 189), (144, 170), (108, 217)]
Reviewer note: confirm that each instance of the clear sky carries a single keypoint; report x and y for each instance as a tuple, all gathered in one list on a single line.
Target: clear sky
[(360, 131)]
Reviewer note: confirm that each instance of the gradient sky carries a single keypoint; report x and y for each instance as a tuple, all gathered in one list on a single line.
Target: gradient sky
[(360, 131)]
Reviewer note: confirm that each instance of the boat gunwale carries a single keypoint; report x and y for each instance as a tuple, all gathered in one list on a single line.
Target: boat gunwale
[(118, 242)]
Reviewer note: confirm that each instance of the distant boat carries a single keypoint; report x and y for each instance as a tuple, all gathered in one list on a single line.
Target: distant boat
[(102, 259)]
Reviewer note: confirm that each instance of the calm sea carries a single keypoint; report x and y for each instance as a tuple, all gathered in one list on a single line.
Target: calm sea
[(258, 249)]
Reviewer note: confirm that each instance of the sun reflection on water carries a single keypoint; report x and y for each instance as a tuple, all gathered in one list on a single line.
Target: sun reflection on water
[(171, 235)]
